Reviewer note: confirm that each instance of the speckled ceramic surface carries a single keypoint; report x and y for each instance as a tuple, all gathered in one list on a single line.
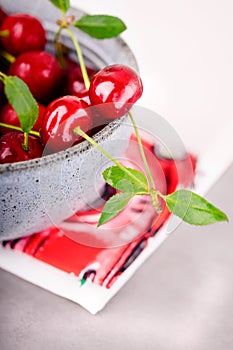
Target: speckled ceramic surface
[(44, 191)]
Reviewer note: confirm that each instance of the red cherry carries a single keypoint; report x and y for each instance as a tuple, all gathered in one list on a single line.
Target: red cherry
[(11, 149), (61, 117), (118, 86), (9, 116), (39, 120), (40, 71), (73, 79), (26, 33), (75, 83), (85, 97)]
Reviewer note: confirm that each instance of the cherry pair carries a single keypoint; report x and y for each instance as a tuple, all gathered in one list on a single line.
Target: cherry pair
[(113, 91)]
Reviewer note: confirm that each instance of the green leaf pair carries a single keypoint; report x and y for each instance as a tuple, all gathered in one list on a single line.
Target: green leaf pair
[(130, 181), (187, 205)]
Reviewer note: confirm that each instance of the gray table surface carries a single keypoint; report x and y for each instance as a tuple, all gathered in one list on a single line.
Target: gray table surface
[(181, 298)]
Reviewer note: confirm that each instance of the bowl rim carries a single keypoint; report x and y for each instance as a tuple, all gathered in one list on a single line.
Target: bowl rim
[(67, 153)]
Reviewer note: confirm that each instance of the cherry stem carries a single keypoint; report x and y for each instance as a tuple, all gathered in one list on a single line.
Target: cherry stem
[(25, 142), (77, 131), (77, 48), (153, 192), (4, 33), (80, 57), (58, 47), (8, 57), (2, 76), (17, 128)]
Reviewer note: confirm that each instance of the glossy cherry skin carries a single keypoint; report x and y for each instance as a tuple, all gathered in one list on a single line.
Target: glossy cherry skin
[(61, 117), (26, 33), (9, 116), (40, 71), (11, 149), (115, 89)]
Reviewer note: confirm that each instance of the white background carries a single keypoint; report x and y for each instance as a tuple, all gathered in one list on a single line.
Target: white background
[(184, 49)]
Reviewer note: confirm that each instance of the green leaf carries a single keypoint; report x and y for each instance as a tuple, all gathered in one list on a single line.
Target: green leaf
[(193, 208), (114, 206), (22, 101), (100, 26), (134, 181), (63, 5)]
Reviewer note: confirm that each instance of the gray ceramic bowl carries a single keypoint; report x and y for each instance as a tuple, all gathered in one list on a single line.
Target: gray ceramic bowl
[(42, 192)]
